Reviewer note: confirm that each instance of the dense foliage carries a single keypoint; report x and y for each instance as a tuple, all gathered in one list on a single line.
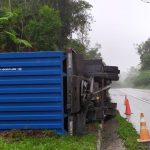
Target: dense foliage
[(144, 52), (131, 77), (43, 32), (8, 36), (141, 77), (32, 25)]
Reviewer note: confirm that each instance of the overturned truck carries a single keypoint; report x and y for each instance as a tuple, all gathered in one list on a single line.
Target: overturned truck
[(54, 90), (88, 82)]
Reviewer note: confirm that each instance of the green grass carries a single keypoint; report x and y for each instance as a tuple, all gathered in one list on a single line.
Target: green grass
[(128, 134), (86, 142)]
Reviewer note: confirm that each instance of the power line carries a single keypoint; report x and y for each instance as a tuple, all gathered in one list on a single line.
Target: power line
[(146, 1)]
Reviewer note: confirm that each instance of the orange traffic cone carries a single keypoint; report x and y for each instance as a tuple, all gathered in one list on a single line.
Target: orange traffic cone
[(144, 133), (128, 109), (125, 100)]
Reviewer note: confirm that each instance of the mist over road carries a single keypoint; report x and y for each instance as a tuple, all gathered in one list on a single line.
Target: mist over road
[(139, 102)]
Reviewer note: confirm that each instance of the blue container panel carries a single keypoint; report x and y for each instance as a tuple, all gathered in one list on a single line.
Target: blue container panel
[(31, 91)]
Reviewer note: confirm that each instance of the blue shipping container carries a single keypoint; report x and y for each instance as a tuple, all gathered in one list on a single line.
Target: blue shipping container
[(31, 91)]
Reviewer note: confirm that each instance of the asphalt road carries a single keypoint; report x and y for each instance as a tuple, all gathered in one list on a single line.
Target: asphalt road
[(139, 100)]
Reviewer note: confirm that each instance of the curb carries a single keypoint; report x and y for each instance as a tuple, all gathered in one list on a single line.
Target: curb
[(99, 138)]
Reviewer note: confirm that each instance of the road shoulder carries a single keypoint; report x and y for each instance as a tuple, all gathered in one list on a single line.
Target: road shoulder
[(111, 140)]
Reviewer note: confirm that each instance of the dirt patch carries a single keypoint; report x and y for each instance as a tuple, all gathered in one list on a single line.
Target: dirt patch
[(15, 135), (111, 140), (92, 128)]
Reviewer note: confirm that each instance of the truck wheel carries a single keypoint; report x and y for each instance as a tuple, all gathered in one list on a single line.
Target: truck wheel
[(76, 124)]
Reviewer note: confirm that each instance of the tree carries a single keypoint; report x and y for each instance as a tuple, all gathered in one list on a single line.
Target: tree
[(142, 77), (8, 36), (131, 77), (77, 45), (94, 53), (144, 52), (51, 30), (44, 30), (74, 16)]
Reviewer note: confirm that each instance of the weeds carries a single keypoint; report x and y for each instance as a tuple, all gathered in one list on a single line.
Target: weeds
[(128, 134), (45, 140)]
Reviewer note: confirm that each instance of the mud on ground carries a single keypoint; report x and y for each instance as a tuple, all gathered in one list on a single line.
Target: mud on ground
[(111, 140)]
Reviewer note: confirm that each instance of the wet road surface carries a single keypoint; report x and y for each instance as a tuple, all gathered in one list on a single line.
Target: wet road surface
[(139, 100)]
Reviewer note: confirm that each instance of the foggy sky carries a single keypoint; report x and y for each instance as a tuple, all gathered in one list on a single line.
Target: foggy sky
[(120, 24)]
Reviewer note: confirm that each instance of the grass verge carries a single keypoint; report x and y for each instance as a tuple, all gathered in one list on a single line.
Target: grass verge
[(17, 140), (128, 134), (56, 143)]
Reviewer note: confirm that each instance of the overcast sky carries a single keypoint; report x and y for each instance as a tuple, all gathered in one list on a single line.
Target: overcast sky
[(120, 24)]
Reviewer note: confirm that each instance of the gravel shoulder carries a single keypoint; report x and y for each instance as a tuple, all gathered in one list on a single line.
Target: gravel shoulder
[(111, 140)]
